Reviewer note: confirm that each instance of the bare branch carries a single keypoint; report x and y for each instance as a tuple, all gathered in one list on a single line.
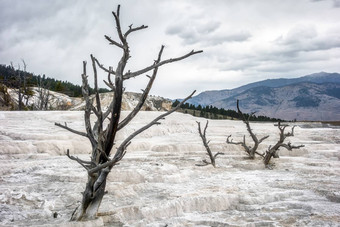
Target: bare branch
[(205, 129), (112, 42), (290, 133), (109, 85), (121, 150), (24, 63), (134, 29), (88, 106), (119, 29), (218, 153), (263, 138), (272, 150), (99, 108), (81, 162), (155, 121), (71, 130), (110, 71), (138, 107), (261, 154), (250, 150), (205, 163), (111, 129), (290, 147), (231, 141), (139, 72)]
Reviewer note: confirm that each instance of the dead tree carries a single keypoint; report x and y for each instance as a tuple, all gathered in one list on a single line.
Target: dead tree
[(272, 150), (206, 145), (27, 92), (20, 84), (102, 138), (43, 94), (251, 151)]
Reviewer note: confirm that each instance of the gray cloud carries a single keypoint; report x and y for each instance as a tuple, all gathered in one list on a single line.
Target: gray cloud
[(306, 38), (242, 40), (206, 34), (336, 3)]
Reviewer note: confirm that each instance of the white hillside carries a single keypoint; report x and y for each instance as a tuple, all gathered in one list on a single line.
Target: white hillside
[(56, 101), (59, 101), (158, 184)]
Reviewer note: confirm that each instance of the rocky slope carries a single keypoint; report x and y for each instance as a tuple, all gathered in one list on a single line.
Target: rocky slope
[(312, 97), (59, 101)]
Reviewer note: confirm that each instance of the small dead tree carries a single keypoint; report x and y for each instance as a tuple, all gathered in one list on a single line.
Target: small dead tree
[(251, 151), (20, 84), (206, 145), (103, 138), (272, 150), (43, 93), (27, 92)]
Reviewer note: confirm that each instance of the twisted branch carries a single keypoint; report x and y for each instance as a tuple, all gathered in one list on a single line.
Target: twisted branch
[(121, 151)]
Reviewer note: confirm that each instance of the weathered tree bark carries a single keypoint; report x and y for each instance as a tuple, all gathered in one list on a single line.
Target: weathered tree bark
[(206, 145), (251, 151), (102, 140), (272, 150)]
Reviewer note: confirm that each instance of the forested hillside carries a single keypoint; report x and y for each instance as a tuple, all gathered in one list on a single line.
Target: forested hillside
[(9, 76), (212, 112)]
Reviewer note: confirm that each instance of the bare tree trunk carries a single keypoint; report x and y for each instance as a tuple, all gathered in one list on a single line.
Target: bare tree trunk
[(102, 140), (92, 196)]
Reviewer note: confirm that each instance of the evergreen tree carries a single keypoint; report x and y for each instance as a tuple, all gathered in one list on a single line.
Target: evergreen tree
[(59, 87), (175, 103)]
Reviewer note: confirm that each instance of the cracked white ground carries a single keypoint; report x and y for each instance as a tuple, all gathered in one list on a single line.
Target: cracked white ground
[(158, 184)]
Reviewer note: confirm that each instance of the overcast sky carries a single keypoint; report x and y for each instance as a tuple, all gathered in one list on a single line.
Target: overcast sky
[(243, 40)]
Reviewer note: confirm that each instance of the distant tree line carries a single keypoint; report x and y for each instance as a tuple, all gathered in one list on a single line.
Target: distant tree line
[(8, 77), (212, 112)]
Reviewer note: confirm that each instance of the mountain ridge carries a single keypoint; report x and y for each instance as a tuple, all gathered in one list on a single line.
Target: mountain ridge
[(260, 96)]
